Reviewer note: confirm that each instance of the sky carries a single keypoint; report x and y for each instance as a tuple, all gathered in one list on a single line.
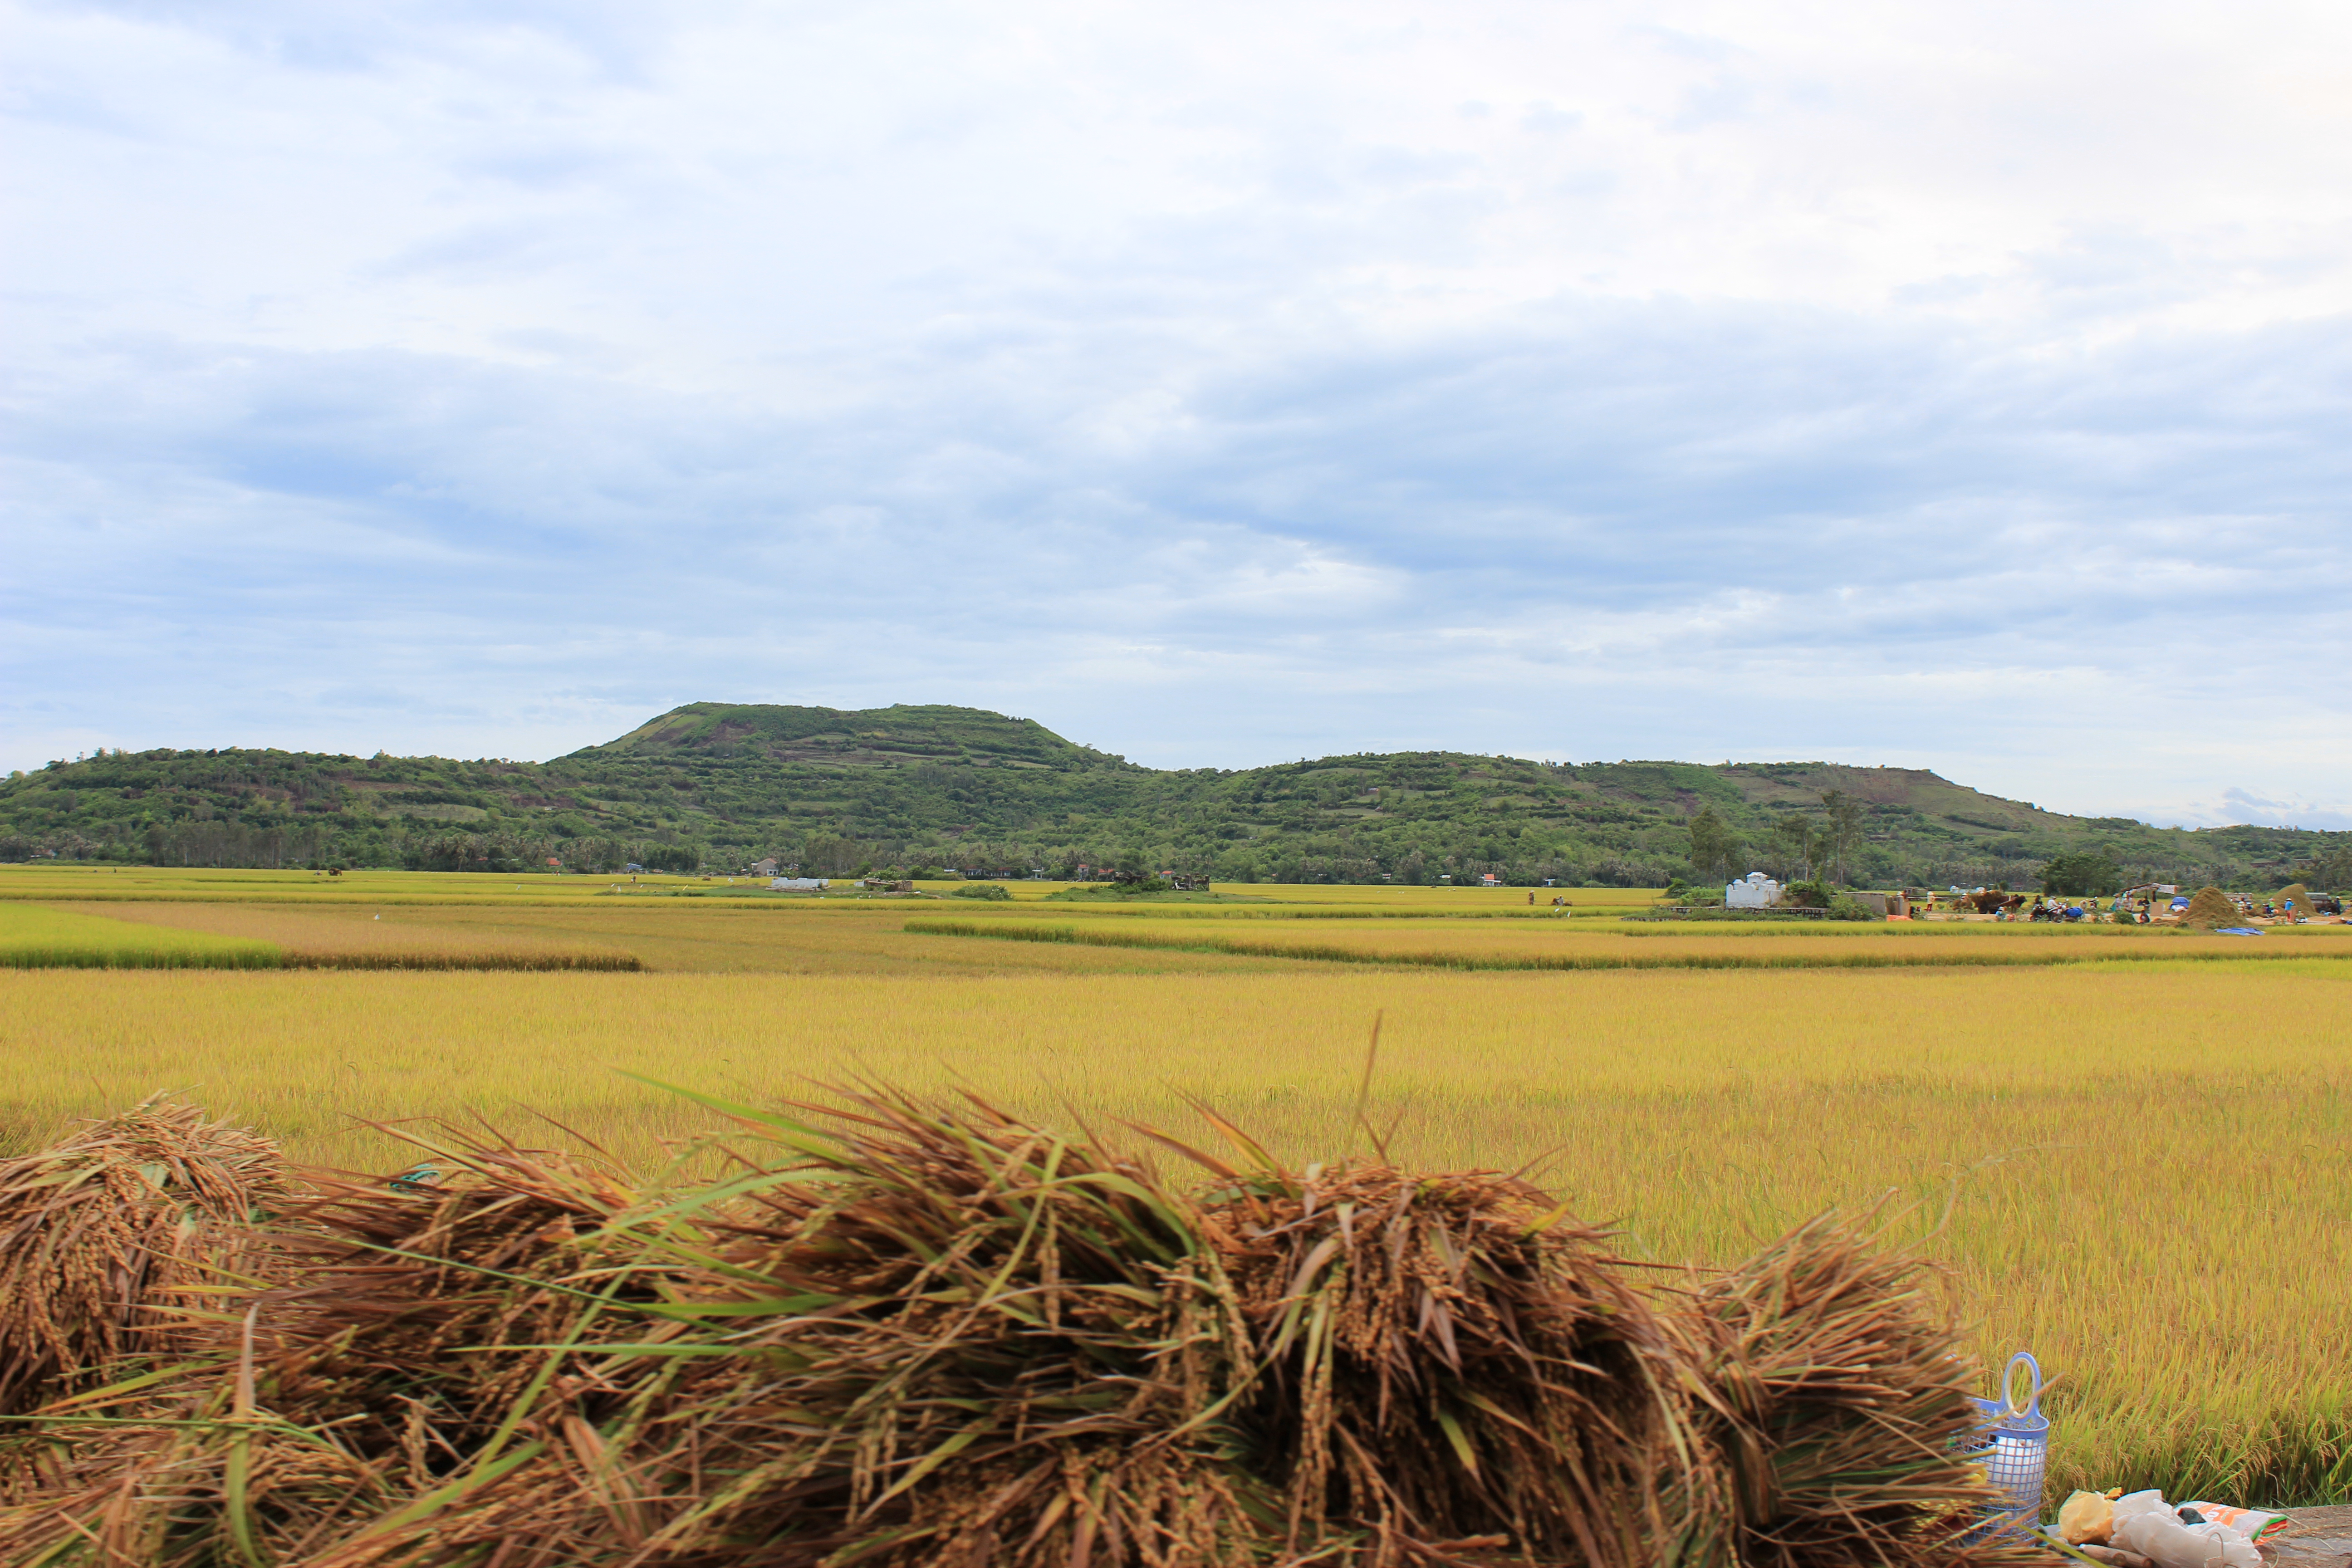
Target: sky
[(1958, 385)]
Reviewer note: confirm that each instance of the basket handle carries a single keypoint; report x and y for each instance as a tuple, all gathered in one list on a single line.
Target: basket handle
[(2008, 1404)]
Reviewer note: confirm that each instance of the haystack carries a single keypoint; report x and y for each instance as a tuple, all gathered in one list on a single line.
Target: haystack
[(2296, 893), (2211, 906), (105, 1239)]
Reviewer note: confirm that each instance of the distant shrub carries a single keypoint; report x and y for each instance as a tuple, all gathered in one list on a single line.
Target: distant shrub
[(1844, 908), (1814, 895), (995, 890), (2090, 872)]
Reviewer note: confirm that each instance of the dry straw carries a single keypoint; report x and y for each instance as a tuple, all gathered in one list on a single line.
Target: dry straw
[(897, 1333)]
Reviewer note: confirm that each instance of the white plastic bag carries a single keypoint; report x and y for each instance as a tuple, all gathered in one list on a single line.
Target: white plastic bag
[(2146, 1524)]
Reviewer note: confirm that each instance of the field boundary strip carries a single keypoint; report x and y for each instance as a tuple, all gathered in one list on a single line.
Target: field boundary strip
[(262, 955), (259, 956), (1322, 952)]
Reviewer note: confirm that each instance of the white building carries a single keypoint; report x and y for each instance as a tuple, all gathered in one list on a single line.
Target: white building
[(1755, 891), (797, 884)]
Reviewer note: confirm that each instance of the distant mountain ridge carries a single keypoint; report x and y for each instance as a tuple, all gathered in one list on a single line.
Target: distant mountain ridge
[(711, 785)]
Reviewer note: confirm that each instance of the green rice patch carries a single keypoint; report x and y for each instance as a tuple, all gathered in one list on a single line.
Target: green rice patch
[(33, 936)]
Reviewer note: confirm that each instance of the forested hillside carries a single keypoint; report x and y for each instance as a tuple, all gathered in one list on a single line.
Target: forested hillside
[(714, 786)]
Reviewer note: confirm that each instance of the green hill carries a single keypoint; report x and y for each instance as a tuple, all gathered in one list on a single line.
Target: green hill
[(714, 786), (902, 733)]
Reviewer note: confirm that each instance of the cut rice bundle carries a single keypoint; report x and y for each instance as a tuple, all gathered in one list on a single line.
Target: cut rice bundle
[(1442, 1365), (949, 1336), (337, 1394), (930, 1340), (1826, 1378), (107, 1238)]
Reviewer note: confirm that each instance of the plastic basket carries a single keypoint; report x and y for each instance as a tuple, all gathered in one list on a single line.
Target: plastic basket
[(2016, 1447)]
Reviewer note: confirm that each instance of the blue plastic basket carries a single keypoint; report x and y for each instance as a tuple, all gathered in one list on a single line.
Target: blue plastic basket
[(2016, 1451)]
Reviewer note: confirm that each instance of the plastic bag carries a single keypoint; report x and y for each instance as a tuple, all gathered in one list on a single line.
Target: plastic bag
[(2146, 1524), (2085, 1517)]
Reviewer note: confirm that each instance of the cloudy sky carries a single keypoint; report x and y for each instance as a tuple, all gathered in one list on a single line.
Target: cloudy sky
[(1958, 385)]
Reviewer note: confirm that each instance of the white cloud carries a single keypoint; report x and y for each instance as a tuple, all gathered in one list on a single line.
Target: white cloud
[(1948, 383), (2237, 805)]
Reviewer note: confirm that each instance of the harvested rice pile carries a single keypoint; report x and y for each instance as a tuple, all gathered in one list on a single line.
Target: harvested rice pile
[(902, 1334), (2210, 907)]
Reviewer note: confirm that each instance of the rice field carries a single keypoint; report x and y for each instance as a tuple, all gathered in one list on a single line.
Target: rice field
[(784, 935), (357, 938), (2131, 1148), (692, 938), (1569, 945), (2148, 1169), (38, 936)]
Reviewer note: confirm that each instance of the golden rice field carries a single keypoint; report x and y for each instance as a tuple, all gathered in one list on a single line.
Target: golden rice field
[(2142, 1170), (1567, 944), (358, 938)]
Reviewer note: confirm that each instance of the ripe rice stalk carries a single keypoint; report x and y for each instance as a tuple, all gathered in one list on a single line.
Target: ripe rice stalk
[(109, 1240)]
